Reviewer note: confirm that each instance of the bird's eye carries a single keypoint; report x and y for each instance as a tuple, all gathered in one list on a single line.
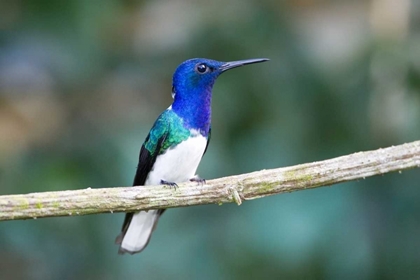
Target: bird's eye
[(201, 68)]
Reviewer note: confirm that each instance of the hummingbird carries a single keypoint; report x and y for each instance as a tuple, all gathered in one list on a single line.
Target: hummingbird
[(176, 143)]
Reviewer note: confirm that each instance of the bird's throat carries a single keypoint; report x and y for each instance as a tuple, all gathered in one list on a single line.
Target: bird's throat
[(195, 110)]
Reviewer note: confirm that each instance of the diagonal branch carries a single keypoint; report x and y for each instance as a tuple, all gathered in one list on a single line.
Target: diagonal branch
[(229, 189)]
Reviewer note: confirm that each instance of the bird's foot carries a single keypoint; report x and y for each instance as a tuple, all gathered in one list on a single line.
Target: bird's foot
[(169, 184), (199, 180)]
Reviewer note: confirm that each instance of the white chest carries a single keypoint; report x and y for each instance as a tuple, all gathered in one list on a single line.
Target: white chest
[(178, 164)]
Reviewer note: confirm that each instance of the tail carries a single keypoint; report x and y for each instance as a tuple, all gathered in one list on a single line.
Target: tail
[(137, 230)]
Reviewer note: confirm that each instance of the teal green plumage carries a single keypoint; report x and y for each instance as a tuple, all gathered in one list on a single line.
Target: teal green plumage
[(170, 126)]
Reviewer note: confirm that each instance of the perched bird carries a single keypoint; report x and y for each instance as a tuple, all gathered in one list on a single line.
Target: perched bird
[(176, 143)]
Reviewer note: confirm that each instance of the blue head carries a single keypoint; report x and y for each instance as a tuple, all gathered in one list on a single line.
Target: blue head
[(192, 86)]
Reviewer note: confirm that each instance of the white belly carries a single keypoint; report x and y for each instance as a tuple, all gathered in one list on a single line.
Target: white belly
[(178, 164)]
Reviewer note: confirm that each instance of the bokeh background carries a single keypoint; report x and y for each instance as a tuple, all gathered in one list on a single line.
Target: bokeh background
[(81, 83)]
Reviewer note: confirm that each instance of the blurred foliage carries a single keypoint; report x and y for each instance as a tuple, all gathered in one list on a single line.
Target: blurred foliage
[(81, 83)]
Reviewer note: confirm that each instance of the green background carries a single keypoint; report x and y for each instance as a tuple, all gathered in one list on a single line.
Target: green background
[(81, 83)]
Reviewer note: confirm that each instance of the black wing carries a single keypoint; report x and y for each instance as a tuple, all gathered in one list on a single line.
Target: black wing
[(208, 141), (146, 162)]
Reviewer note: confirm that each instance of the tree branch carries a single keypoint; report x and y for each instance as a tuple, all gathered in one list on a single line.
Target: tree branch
[(229, 189)]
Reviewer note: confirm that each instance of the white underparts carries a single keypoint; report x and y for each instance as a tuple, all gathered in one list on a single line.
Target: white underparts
[(176, 165)]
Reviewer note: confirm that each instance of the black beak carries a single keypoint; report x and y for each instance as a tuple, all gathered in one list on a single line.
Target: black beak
[(234, 64)]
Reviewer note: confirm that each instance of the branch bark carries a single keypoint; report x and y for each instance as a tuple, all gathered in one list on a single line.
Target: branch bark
[(224, 190)]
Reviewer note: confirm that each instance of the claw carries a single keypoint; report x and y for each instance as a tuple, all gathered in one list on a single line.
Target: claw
[(169, 184), (199, 180)]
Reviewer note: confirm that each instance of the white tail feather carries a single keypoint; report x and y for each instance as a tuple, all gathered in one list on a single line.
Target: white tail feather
[(139, 231)]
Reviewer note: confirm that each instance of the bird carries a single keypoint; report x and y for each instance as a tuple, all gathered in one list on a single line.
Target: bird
[(176, 143)]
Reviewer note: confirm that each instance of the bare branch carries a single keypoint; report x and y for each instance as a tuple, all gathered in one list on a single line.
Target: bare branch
[(229, 189)]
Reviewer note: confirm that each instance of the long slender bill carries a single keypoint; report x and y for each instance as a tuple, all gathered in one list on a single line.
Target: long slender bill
[(234, 64)]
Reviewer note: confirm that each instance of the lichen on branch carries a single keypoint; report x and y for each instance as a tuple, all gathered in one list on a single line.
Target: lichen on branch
[(238, 188)]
